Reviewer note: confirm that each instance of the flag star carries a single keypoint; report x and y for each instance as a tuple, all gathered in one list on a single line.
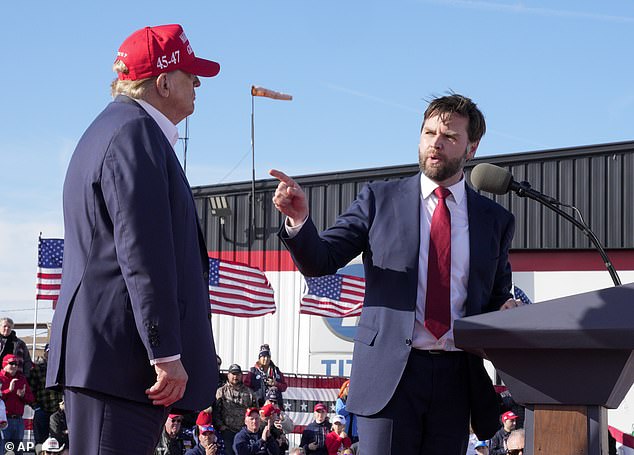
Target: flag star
[(332, 407), (304, 407), (287, 406)]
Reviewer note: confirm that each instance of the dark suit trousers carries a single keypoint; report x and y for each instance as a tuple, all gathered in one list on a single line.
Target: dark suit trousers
[(429, 412), (100, 424)]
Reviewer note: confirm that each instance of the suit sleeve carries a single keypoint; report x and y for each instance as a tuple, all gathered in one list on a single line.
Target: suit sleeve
[(323, 254), (136, 191)]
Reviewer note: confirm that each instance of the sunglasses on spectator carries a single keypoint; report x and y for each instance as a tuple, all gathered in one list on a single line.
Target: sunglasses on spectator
[(515, 451), (12, 363), (177, 420)]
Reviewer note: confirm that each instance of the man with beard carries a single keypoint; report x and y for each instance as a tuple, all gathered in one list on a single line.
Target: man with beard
[(433, 251), (232, 400)]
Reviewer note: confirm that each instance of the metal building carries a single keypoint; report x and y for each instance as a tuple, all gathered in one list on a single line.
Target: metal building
[(549, 257), (597, 179)]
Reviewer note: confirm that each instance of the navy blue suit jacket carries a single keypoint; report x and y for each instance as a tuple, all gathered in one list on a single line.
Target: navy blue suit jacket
[(135, 270), (383, 223)]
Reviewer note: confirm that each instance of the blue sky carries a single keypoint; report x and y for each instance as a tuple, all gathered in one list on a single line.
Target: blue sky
[(546, 74)]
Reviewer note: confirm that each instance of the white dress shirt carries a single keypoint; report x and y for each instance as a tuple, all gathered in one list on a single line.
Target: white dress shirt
[(457, 204)]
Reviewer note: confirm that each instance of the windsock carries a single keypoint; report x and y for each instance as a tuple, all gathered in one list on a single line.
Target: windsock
[(261, 91)]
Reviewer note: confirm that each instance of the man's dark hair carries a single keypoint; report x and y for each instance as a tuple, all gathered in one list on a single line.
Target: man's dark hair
[(461, 105)]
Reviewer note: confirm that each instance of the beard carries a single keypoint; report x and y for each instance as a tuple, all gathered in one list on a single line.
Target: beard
[(444, 169)]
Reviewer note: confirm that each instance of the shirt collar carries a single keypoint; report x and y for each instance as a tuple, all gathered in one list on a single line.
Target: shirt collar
[(427, 187), (169, 129)]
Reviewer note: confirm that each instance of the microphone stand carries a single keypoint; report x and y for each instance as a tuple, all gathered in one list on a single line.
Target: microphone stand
[(523, 189)]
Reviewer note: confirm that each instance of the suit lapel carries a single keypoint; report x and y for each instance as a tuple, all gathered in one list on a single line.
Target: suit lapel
[(480, 228), (407, 219)]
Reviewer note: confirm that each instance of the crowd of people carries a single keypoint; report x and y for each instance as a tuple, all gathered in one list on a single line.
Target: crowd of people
[(22, 383), (247, 417)]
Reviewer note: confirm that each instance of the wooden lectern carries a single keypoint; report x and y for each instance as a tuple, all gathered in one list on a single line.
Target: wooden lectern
[(567, 360)]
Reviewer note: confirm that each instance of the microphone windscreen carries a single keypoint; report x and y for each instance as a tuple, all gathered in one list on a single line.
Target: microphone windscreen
[(491, 178)]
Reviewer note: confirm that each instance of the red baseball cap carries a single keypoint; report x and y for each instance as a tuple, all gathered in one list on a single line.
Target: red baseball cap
[(151, 51), (250, 411), (320, 407), (509, 415), (269, 409), (8, 358), (204, 418)]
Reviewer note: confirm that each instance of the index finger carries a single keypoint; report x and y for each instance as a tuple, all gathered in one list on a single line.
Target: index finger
[(282, 177)]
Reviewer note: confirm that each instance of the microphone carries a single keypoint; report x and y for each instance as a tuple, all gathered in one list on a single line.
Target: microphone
[(494, 179)]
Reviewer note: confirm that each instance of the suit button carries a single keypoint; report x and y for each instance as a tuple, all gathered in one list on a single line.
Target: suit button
[(408, 342)]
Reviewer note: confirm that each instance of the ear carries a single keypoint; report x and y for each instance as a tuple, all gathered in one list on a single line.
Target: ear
[(471, 149), (162, 85)]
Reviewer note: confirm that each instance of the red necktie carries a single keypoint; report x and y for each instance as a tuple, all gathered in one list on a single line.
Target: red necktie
[(437, 303)]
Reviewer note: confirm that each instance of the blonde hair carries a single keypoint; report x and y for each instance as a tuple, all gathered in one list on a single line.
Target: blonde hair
[(133, 89)]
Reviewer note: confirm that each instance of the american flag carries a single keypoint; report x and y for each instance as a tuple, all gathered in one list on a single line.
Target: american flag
[(239, 290), (304, 392), (518, 294), (49, 270), (334, 296)]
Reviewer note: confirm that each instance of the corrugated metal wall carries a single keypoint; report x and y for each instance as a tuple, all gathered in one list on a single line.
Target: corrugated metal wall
[(598, 180)]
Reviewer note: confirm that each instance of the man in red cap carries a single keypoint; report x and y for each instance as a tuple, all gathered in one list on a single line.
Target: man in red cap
[(132, 320), (15, 392), (498, 442), (253, 440), (314, 435)]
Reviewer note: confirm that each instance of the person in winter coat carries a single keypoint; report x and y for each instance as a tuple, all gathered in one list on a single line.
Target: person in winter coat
[(265, 375), (208, 442), (252, 440), (11, 344), (16, 393), (314, 436)]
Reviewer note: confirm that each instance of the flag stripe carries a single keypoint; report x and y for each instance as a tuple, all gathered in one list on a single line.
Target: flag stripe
[(333, 296), (49, 270), (239, 290)]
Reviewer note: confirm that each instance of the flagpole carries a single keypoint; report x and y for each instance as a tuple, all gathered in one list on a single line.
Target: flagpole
[(252, 224), (264, 92), (39, 242)]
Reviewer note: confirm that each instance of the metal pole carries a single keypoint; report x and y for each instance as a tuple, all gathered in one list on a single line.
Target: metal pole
[(39, 242), (252, 221), (185, 140)]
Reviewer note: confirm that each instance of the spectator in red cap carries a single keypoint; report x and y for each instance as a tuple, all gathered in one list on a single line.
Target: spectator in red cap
[(173, 440), (132, 320), (15, 391), (498, 441), (252, 440), (337, 439), (314, 435), (11, 344), (270, 415), (209, 442)]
